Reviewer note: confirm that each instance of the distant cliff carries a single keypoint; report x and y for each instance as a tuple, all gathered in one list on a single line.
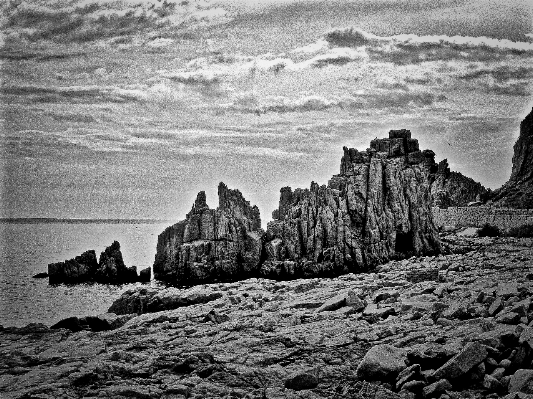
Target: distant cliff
[(454, 189), (518, 191), (376, 209)]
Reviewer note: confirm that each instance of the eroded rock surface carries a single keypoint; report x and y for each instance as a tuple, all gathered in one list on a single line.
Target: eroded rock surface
[(304, 338), (211, 244), (378, 208), (454, 189), (518, 191)]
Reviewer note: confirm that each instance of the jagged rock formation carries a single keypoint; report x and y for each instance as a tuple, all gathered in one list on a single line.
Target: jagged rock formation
[(518, 191), (211, 244), (84, 268), (376, 209), (73, 271), (455, 189)]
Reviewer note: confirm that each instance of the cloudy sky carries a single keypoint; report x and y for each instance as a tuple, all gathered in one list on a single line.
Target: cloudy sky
[(128, 108)]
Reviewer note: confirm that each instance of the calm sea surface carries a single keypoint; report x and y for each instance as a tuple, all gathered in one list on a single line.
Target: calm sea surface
[(27, 248)]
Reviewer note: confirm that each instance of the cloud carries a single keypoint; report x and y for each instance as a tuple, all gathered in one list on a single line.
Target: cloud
[(410, 48), (501, 73), (91, 20), (52, 94), (386, 99)]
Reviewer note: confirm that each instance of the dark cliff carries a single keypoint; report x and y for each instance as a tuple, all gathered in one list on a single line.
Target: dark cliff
[(518, 191)]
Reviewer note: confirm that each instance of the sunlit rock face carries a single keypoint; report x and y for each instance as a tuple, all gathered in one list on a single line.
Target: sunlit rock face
[(220, 244), (376, 209), (518, 191)]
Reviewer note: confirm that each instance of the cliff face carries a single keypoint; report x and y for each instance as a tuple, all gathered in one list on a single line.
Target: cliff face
[(377, 208), (455, 189), (518, 191), (211, 244)]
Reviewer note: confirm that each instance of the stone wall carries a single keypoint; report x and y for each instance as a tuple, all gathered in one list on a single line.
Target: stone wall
[(504, 218)]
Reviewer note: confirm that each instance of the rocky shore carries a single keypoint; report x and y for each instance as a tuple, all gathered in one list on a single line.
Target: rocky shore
[(458, 325)]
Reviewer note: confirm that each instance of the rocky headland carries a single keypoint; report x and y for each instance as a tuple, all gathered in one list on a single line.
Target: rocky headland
[(109, 269), (376, 209), (447, 326)]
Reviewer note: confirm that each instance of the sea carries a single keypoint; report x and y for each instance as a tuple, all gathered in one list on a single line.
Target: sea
[(27, 246)]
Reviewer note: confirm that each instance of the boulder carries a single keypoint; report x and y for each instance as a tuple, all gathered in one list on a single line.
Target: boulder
[(522, 381), (301, 381), (471, 355), (382, 363)]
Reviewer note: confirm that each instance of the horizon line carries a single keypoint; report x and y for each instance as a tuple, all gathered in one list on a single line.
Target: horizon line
[(29, 220)]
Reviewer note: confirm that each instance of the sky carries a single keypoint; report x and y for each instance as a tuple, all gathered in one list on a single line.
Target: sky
[(129, 108)]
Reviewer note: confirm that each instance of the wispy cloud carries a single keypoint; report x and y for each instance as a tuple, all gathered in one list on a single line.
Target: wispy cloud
[(90, 20)]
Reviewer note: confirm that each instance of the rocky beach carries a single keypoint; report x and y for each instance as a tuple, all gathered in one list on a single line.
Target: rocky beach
[(448, 326)]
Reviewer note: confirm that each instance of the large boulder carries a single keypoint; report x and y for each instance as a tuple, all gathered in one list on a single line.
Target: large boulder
[(378, 208), (518, 191), (210, 245), (382, 363)]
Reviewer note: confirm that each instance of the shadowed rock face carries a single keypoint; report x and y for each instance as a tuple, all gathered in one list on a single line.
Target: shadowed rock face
[(211, 244), (84, 268), (376, 209), (518, 191)]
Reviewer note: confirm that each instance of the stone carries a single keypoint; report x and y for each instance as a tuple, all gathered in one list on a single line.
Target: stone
[(382, 363), (491, 383), (145, 275), (334, 303), (508, 318), (471, 355), (70, 323), (435, 389), (522, 381), (353, 300), (301, 381), (496, 306), (77, 270), (222, 244)]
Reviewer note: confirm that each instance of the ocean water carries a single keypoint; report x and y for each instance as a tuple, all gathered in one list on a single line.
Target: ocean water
[(27, 248)]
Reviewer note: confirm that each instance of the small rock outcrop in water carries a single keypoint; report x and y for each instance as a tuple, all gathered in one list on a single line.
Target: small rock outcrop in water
[(455, 189), (376, 209), (518, 191), (211, 244), (84, 268)]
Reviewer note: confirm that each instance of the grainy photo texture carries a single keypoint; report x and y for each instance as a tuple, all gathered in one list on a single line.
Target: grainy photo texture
[(266, 199)]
